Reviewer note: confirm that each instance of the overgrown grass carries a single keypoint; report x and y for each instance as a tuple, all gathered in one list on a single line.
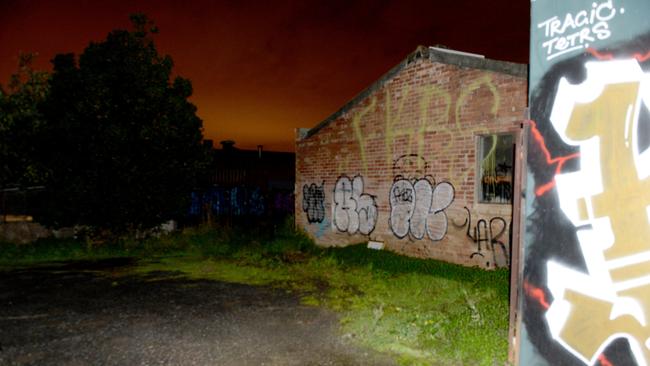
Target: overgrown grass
[(424, 312), (427, 311), (202, 242), (52, 250)]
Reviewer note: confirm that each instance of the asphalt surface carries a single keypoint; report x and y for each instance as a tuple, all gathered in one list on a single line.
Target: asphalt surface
[(89, 313)]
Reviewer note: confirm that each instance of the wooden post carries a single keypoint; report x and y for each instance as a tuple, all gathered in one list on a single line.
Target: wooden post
[(518, 222)]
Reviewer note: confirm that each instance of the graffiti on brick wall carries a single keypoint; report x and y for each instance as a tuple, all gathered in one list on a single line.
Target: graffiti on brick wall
[(439, 113), (410, 167), (418, 208), (353, 210), (343, 163), (313, 202), (491, 238), (417, 204), (321, 228), (356, 125)]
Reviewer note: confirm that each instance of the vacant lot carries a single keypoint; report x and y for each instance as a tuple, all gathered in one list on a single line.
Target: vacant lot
[(272, 298), (90, 313)]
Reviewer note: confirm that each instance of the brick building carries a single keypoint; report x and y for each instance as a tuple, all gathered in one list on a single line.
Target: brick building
[(422, 160)]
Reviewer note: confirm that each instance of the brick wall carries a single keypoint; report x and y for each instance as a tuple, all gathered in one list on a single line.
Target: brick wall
[(411, 137)]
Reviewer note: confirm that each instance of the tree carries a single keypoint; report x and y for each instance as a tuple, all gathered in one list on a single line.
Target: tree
[(122, 141), (20, 121)]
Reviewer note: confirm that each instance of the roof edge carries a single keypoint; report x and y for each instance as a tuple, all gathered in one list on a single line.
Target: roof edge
[(468, 60), (450, 57)]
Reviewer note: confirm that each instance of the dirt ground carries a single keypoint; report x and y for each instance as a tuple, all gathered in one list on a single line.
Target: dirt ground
[(83, 314)]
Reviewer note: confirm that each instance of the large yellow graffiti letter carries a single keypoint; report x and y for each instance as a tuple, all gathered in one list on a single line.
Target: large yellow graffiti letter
[(356, 124), (608, 201)]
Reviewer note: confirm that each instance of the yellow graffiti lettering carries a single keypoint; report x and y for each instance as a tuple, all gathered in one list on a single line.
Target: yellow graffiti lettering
[(429, 98), (608, 199), (412, 139), (356, 124), (390, 133), (624, 197), (343, 164), (458, 173), (471, 88)]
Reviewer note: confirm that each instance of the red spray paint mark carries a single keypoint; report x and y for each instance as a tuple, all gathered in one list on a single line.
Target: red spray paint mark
[(536, 293), (559, 160), (604, 361), (639, 57), (600, 56), (608, 56)]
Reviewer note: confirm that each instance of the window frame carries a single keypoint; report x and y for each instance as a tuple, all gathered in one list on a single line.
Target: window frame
[(478, 184)]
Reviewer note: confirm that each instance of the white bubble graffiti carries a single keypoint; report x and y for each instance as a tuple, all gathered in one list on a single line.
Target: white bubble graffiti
[(353, 210), (418, 208)]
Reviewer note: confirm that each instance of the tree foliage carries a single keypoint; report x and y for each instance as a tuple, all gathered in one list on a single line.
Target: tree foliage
[(122, 141), (20, 121)]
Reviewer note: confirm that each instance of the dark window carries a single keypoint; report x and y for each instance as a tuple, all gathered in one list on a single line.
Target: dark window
[(495, 155)]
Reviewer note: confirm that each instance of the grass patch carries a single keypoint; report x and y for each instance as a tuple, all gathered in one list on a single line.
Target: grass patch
[(214, 269), (425, 312), (426, 316)]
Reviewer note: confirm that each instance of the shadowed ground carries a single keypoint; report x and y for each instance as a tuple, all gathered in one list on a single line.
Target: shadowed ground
[(89, 313)]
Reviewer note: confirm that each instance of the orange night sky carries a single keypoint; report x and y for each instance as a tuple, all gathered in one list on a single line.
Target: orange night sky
[(260, 69)]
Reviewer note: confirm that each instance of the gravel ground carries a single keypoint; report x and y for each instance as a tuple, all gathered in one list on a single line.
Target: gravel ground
[(84, 314)]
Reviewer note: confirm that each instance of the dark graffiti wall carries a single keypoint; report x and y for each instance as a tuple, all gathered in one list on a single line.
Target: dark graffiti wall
[(241, 201), (586, 273), (245, 183)]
